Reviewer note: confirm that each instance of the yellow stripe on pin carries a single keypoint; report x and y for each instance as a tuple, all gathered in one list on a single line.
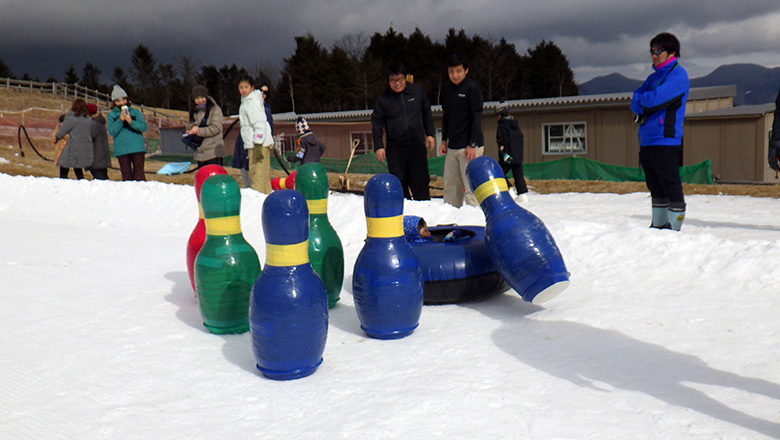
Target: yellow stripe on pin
[(385, 227), (230, 225), (282, 255), (317, 206), (492, 186)]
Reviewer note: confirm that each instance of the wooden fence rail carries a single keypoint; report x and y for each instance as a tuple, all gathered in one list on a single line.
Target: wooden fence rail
[(73, 91)]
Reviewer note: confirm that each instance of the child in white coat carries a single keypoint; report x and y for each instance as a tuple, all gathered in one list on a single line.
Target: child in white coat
[(256, 134)]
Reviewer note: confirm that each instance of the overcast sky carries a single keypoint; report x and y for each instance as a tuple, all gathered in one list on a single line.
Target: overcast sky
[(597, 36)]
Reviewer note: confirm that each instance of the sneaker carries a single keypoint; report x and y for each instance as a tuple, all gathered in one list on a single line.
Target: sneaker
[(522, 199)]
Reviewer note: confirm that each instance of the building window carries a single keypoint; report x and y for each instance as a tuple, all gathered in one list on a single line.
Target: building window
[(366, 139), (564, 138)]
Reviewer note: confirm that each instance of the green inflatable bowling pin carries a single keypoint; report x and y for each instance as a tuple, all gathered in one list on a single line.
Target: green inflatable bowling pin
[(226, 266), (325, 251)]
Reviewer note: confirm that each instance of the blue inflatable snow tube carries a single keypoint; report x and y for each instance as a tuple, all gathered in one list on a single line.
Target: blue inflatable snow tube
[(457, 271)]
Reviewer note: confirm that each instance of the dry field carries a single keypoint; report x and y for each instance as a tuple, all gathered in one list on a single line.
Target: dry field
[(13, 163)]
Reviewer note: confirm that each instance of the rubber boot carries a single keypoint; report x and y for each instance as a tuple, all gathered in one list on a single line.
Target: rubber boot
[(676, 215), (660, 214)]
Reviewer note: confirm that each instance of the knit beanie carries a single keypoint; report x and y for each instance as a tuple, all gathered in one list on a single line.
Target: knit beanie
[(301, 125), (118, 92), (502, 109), (92, 108), (199, 91)]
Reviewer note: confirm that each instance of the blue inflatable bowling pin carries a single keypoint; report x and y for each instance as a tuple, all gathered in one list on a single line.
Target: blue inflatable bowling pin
[(387, 282), (288, 309), (522, 248)]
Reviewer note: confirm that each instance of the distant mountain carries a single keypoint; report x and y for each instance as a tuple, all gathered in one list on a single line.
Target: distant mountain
[(755, 84)]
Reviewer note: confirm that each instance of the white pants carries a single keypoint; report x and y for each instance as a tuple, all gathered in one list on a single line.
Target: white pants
[(456, 187)]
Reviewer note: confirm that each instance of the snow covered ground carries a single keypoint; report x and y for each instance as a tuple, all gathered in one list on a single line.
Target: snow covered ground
[(661, 335)]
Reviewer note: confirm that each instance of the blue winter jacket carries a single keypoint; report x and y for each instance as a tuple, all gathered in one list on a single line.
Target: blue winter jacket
[(662, 100), (128, 138)]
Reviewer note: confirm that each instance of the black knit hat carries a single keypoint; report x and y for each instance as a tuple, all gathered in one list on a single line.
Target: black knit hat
[(199, 90)]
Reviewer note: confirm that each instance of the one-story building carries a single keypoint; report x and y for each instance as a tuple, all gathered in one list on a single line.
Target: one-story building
[(596, 127)]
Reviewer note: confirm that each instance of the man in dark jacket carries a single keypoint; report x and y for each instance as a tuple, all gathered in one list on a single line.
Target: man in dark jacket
[(403, 112), (509, 139), (461, 130), (774, 142)]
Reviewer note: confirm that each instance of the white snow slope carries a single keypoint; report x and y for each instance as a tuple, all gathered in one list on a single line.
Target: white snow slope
[(661, 335)]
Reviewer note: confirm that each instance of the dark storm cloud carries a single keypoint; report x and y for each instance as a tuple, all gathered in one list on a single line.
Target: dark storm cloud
[(597, 36)]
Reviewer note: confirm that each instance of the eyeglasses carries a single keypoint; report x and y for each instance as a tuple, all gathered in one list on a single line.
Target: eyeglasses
[(398, 80), (657, 52)]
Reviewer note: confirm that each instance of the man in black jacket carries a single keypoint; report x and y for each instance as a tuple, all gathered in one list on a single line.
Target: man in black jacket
[(774, 142), (403, 112), (461, 130)]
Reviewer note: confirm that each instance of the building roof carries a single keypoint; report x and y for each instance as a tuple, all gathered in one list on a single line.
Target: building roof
[(605, 99), (739, 111)]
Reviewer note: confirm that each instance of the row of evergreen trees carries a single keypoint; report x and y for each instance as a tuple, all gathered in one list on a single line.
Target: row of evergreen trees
[(346, 77)]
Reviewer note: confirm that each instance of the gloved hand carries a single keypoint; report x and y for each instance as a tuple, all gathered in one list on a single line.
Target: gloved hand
[(774, 154)]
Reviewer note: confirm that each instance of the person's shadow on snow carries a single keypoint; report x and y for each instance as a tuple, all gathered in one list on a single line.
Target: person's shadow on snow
[(184, 298), (585, 355), (237, 349)]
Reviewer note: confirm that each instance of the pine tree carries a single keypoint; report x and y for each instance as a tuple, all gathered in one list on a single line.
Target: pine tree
[(548, 73), (90, 76), (145, 74), (5, 71), (71, 77)]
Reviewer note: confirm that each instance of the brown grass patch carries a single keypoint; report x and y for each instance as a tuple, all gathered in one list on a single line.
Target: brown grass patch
[(33, 165)]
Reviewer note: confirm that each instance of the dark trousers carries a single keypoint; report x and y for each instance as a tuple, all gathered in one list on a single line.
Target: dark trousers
[(99, 173), (410, 166), (64, 171), (517, 174), (214, 161), (132, 166), (661, 164)]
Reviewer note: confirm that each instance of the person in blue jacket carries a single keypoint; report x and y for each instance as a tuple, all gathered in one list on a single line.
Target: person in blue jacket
[(126, 126), (659, 108)]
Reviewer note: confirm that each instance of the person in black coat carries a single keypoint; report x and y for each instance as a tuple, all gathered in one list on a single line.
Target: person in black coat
[(509, 139), (774, 141), (403, 113), (310, 148), (102, 156)]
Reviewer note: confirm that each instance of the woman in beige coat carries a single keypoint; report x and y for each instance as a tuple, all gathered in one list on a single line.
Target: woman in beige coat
[(206, 121)]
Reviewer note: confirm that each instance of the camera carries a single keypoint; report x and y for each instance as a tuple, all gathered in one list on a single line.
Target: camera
[(640, 119)]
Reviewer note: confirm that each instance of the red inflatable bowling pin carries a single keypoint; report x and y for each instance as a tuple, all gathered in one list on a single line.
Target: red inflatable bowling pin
[(198, 235), (284, 182)]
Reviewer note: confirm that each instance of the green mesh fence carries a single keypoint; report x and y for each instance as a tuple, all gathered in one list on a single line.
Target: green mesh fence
[(569, 168), (578, 168)]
